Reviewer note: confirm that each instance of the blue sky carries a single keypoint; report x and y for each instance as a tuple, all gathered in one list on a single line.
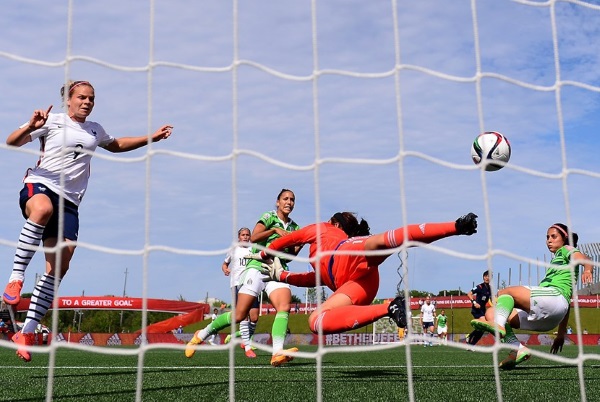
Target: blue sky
[(340, 112)]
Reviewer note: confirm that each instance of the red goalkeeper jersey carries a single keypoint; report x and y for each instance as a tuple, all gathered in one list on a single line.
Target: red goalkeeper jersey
[(322, 237)]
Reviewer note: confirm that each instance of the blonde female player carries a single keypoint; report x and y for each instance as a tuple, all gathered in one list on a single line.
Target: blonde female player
[(543, 307), (271, 225), (67, 143)]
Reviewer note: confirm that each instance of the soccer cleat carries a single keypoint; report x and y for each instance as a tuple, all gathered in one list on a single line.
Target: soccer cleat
[(491, 327), (250, 353), (12, 293), (466, 224), (24, 340), (227, 339), (515, 357), (279, 358), (190, 348), (397, 311)]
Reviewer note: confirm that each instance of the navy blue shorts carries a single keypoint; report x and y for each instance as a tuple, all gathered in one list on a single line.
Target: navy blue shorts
[(427, 324), (71, 212), (255, 303)]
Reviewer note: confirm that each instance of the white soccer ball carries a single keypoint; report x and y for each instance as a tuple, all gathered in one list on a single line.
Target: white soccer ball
[(491, 146)]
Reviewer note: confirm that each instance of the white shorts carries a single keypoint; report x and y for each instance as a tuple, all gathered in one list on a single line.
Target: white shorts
[(252, 284), (442, 330), (547, 309)]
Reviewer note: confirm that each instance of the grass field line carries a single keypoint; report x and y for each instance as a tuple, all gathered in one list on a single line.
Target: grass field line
[(304, 367)]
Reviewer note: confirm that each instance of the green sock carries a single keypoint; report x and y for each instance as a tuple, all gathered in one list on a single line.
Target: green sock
[(222, 321), (504, 306), (279, 330), (510, 337)]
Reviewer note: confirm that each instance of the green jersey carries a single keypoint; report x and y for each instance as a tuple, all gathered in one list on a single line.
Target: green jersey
[(560, 275), (442, 320), (271, 221)]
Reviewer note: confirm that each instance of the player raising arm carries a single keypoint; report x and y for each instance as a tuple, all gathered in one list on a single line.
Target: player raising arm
[(543, 307), (350, 272), (67, 142)]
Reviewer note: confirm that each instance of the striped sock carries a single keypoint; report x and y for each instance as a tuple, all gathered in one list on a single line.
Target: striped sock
[(251, 329), (29, 240), (41, 301), (425, 232), (245, 334)]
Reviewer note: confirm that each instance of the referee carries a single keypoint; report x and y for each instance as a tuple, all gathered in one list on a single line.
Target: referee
[(480, 296)]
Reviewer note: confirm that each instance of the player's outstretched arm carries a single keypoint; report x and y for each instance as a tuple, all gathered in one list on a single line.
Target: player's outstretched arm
[(275, 272), (125, 144)]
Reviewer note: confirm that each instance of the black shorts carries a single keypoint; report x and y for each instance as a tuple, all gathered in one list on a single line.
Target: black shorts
[(71, 212)]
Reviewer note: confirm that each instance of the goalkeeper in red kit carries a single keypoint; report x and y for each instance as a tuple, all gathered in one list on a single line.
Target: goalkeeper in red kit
[(338, 254)]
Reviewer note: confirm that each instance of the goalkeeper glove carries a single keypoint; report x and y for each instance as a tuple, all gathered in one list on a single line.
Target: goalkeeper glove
[(260, 256), (274, 271)]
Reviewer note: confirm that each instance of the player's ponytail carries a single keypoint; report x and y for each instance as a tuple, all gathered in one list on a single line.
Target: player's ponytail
[(349, 224)]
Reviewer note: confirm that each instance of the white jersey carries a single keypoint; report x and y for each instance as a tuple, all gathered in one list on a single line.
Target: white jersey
[(58, 134), (237, 263), (427, 312)]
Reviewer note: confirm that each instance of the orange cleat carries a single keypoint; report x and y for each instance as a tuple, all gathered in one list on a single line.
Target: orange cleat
[(24, 340), (190, 348), (250, 353), (283, 357), (12, 293)]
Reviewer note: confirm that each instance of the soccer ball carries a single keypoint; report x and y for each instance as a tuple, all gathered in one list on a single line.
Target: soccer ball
[(491, 146)]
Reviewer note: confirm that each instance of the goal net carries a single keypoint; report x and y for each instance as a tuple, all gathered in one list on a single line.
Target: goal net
[(363, 106)]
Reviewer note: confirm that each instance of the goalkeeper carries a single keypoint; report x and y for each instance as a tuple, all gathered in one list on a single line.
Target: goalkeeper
[(352, 275), (543, 307)]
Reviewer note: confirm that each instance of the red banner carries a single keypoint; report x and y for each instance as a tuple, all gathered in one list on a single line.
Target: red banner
[(121, 303), (173, 323)]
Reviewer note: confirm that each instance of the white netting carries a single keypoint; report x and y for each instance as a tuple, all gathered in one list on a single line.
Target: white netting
[(368, 107)]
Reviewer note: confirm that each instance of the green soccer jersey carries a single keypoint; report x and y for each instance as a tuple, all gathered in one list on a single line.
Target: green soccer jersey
[(442, 320), (271, 220), (560, 276)]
